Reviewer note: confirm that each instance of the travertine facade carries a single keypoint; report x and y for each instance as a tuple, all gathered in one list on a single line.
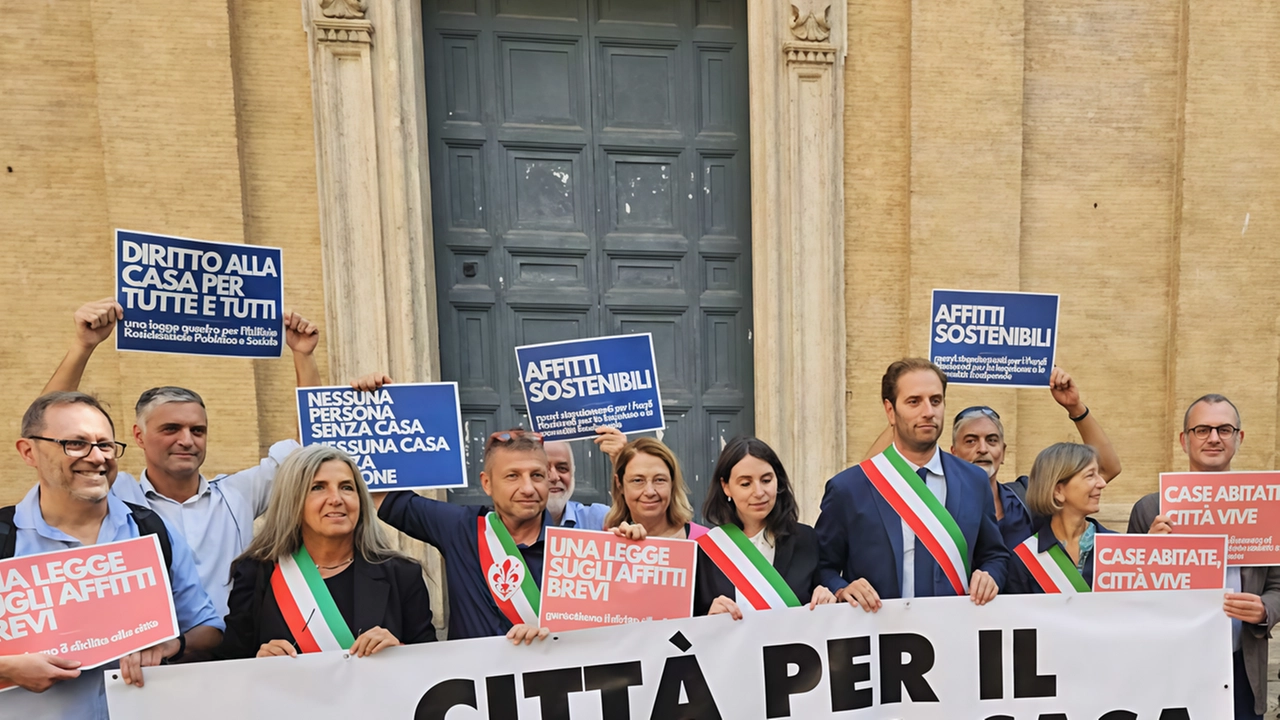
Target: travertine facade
[(1123, 154)]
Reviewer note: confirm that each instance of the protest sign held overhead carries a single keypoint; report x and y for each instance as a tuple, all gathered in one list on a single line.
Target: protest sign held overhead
[(1243, 505), (575, 386), (1159, 562), (90, 604), (994, 338), (198, 297), (594, 579), (401, 436), (1034, 657)]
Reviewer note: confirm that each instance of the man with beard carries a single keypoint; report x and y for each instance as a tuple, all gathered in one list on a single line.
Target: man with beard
[(977, 435), (913, 521), (1210, 437), (560, 486), (70, 440)]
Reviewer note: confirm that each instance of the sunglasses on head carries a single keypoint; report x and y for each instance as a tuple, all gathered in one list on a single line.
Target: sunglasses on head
[(505, 436), (976, 410)]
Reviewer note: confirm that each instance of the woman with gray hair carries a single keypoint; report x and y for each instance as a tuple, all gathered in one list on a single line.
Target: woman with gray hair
[(320, 575), (1065, 488)]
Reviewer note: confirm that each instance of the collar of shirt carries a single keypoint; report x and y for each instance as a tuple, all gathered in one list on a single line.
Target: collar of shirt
[(28, 516), (542, 531), (149, 491), (934, 466), (570, 519)]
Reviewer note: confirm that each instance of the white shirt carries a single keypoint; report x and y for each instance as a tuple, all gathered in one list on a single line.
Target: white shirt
[(764, 544), (937, 483), (217, 522), (1233, 584)]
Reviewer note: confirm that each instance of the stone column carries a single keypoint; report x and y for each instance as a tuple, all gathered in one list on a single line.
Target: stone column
[(375, 211), (797, 199)]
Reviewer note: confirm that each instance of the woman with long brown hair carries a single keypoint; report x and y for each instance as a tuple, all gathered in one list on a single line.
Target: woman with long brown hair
[(320, 575)]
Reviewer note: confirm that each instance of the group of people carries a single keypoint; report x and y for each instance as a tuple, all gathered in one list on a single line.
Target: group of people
[(320, 574)]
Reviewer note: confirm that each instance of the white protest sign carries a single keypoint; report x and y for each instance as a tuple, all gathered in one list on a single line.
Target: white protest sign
[(1026, 657)]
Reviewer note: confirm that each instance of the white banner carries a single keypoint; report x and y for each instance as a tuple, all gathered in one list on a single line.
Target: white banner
[(1113, 656)]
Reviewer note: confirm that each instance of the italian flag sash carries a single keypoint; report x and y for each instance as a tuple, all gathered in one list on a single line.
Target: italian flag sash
[(746, 567), (307, 606), (505, 572), (919, 508), (1053, 569)]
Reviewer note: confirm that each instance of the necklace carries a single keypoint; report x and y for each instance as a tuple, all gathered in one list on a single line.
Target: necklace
[(335, 567)]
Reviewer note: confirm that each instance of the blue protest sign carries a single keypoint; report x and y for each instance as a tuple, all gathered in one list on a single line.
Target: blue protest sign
[(575, 386), (402, 436), (994, 338), (197, 297)]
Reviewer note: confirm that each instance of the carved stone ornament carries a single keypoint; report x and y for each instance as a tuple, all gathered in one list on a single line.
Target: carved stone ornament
[(809, 27), (344, 31), (346, 9)]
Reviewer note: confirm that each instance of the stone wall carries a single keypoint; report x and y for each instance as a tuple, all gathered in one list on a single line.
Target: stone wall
[(1119, 153)]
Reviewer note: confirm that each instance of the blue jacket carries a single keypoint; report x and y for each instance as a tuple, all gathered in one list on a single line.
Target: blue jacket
[(860, 534), (1021, 581)]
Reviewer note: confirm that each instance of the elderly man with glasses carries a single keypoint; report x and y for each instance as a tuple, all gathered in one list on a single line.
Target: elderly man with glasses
[(977, 435), (1210, 437)]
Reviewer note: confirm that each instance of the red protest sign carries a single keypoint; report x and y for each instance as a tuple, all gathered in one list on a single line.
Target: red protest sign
[(1243, 505), (93, 604), (594, 579), (1159, 562)]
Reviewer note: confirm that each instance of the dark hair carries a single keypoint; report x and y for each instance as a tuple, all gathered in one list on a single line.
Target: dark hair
[(1211, 399), (33, 418), (718, 510), (889, 383)]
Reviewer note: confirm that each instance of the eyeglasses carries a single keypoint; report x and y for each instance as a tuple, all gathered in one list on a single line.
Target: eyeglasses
[(82, 448), (975, 410), (506, 436), (1226, 432)]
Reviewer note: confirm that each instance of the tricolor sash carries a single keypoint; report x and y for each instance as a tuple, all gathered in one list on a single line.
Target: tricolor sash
[(919, 508), (1052, 569), (308, 608), (746, 567), (506, 573)]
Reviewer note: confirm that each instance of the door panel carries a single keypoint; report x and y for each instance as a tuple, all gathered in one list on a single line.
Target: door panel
[(589, 177)]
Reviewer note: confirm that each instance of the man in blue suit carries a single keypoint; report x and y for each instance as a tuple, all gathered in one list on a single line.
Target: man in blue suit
[(913, 521)]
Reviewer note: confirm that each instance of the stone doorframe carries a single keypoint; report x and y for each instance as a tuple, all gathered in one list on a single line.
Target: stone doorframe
[(370, 107)]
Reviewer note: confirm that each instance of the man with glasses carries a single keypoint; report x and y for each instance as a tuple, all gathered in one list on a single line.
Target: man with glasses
[(171, 428), (1210, 437), (977, 435), (70, 440)]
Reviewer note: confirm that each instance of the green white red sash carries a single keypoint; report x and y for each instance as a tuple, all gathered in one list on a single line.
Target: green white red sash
[(919, 508), (506, 573), (308, 608), (1052, 569), (746, 567)]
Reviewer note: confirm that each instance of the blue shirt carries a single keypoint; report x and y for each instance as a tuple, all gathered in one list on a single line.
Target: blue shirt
[(85, 696), (1017, 523), (584, 517), (454, 531), (216, 522)]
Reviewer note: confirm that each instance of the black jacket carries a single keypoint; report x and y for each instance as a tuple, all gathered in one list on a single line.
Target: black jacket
[(795, 557), (390, 595)]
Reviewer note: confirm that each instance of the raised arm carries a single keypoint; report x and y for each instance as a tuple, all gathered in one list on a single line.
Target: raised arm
[(1067, 394), (302, 336), (94, 323)]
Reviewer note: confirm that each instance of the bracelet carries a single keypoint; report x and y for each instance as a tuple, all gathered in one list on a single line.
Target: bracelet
[(182, 649), (1082, 415)]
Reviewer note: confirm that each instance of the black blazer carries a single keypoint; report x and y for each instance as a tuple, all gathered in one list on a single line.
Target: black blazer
[(390, 595), (795, 557)]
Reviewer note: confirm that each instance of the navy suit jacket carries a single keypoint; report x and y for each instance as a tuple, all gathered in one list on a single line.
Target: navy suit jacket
[(860, 534)]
